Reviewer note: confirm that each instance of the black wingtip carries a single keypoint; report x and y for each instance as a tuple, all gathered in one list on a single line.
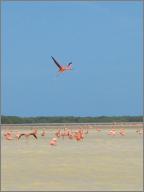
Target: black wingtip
[(70, 63)]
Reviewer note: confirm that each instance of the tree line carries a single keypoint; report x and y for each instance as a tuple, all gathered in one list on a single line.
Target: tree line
[(69, 119)]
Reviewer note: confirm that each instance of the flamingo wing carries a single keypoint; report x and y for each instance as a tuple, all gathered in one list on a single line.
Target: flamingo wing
[(35, 136), (59, 66), (22, 134), (69, 63)]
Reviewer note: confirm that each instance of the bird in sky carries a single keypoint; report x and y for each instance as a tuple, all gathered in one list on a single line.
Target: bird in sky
[(63, 68)]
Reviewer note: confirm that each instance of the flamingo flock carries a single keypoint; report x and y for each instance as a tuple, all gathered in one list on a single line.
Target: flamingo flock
[(113, 132), (76, 135)]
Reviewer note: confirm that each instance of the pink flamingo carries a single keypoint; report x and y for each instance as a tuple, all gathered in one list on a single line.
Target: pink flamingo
[(78, 135), (63, 68), (122, 132), (43, 133), (33, 133), (17, 135), (98, 129), (53, 141), (8, 136), (58, 133), (112, 132)]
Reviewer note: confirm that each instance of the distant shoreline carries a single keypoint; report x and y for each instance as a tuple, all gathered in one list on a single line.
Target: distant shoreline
[(70, 119), (69, 124)]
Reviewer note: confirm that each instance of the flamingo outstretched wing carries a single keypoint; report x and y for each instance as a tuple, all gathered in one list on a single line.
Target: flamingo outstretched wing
[(22, 134), (59, 66), (33, 135), (69, 63)]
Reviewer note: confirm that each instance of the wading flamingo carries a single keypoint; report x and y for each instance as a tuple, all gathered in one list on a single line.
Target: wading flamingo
[(43, 133), (112, 132), (8, 136), (53, 141), (139, 131), (122, 132), (98, 129)]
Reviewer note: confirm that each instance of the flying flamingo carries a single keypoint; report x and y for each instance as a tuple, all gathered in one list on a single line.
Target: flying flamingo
[(63, 68), (34, 134)]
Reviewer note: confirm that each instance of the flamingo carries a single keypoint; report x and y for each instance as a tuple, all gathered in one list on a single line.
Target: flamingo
[(98, 129), (17, 134), (139, 131), (122, 132), (53, 141), (112, 132), (58, 133), (78, 135), (34, 134), (63, 68), (43, 133), (8, 136)]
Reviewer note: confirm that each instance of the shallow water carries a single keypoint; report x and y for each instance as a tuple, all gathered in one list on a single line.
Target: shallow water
[(99, 162)]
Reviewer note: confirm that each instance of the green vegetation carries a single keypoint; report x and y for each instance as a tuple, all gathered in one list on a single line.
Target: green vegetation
[(69, 119)]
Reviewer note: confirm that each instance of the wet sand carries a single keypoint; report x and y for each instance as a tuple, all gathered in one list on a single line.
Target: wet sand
[(98, 163)]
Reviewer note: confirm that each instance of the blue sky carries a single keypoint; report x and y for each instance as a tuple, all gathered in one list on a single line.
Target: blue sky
[(102, 39)]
